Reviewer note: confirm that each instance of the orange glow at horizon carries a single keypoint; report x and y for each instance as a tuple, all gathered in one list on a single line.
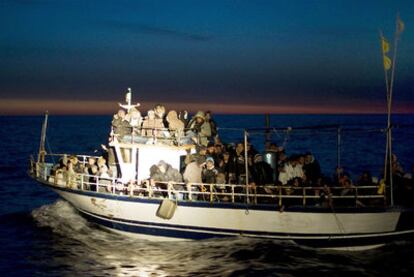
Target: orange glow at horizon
[(70, 107)]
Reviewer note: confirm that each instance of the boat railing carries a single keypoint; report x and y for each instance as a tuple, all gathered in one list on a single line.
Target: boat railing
[(142, 135), (83, 159), (226, 193)]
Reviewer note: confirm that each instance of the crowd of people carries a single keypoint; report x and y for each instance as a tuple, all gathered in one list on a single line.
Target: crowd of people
[(157, 125), (215, 162), (68, 169)]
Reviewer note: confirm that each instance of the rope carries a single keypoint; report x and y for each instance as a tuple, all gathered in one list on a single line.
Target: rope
[(50, 148), (285, 141)]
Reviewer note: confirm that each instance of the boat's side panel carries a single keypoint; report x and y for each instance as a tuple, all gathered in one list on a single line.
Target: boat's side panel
[(235, 221)]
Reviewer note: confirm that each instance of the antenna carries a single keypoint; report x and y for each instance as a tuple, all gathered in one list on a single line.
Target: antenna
[(128, 100)]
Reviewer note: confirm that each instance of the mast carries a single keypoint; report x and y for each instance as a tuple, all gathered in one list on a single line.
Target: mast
[(385, 49), (246, 164), (42, 149), (338, 147), (267, 132), (399, 27)]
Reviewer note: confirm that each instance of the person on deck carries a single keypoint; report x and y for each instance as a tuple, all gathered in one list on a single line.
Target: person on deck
[(213, 124), (240, 163), (91, 169), (193, 171), (365, 179), (120, 124), (261, 171), (135, 119), (200, 129), (311, 169), (211, 151), (151, 126), (175, 126), (159, 111), (183, 116), (228, 167), (291, 172), (164, 172), (209, 173)]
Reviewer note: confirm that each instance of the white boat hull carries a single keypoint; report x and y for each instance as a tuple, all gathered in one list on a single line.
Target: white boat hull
[(137, 217)]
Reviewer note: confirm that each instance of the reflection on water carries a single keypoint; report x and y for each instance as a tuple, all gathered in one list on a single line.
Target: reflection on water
[(86, 247), (79, 247)]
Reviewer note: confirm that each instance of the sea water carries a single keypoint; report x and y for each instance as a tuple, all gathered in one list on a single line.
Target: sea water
[(42, 235)]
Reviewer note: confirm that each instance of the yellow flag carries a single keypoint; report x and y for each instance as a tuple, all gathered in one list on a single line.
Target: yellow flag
[(400, 25), (385, 45), (387, 62)]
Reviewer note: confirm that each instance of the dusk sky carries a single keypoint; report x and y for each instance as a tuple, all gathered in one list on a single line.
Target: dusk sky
[(79, 57)]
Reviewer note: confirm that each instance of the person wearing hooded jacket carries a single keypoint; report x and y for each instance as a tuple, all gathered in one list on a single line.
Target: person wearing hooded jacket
[(175, 126), (201, 128), (164, 172)]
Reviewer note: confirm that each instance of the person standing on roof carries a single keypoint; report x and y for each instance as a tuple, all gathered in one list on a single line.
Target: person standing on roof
[(135, 119), (175, 126), (151, 126), (120, 124), (201, 128), (213, 125)]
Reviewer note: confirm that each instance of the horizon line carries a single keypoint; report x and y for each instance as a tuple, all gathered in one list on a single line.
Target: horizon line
[(88, 107)]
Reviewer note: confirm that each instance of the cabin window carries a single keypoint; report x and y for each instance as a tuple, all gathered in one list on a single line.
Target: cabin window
[(126, 155)]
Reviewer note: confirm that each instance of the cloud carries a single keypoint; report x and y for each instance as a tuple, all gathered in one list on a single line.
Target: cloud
[(139, 28)]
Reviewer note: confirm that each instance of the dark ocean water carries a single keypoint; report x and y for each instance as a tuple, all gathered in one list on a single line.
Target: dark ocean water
[(41, 235)]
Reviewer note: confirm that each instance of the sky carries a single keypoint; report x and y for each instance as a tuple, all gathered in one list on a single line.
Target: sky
[(79, 57)]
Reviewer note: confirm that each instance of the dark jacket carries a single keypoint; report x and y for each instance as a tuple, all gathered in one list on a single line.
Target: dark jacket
[(262, 173), (121, 127), (209, 175), (312, 172)]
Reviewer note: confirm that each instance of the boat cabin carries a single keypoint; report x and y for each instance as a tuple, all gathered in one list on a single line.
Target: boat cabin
[(136, 159)]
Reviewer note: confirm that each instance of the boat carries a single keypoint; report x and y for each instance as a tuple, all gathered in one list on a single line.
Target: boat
[(131, 203)]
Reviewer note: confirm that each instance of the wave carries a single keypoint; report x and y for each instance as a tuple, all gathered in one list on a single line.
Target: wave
[(61, 218), (116, 254)]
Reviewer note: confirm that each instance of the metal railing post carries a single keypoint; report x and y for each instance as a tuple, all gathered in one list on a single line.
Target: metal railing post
[(304, 197), (169, 190), (189, 191), (356, 196), (280, 196)]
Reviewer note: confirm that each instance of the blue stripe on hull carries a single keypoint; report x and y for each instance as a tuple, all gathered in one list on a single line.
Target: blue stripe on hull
[(150, 230), (356, 241)]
